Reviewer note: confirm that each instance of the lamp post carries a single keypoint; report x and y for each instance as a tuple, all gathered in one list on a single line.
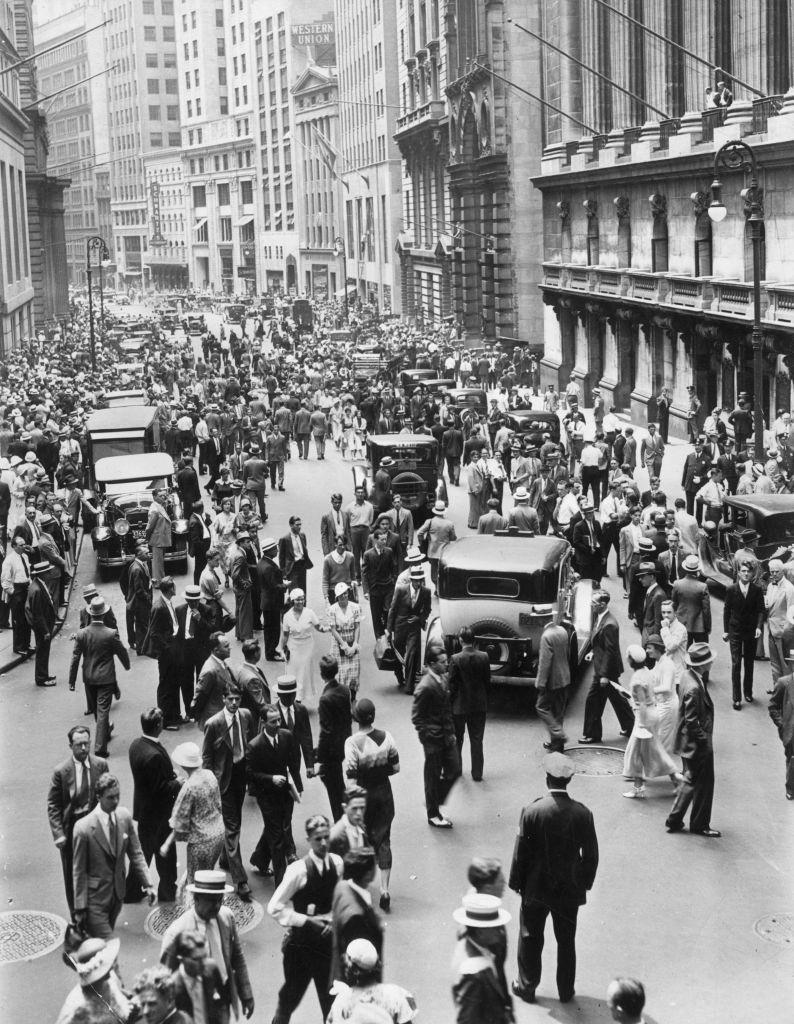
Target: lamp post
[(95, 246), (339, 243), (738, 156)]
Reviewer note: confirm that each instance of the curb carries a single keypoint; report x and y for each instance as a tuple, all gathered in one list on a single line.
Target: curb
[(19, 659)]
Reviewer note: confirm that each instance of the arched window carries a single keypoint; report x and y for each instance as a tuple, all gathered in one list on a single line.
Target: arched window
[(748, 252), (593, 250), (703, 258)]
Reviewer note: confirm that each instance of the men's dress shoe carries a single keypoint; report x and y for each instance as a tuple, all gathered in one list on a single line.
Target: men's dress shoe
[(770, 691), (567, 997), (244, 892), (625, 732), (50, 681), (749, 699), (588, 739), (476, 778), (737, 705), (101, 753), (185, 719), (527, 994), (790, 796), (439, 822), (710, 833), (275, 657), (172, 727), (673, 827), (385, 902)]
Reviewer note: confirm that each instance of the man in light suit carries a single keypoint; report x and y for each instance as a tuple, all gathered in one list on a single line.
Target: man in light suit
[(98, 646), (293, 555), (694, 743), (402, 522), (71, 796), (553, 682), (607, 669), (469, 682), (439, 531), (352, 916), (158, 532), (491, 521), (408, 612), (629, 542), (692, 603), (213, 679), (779, 598), (671, 561), (102, 840), (652, 451), (227, 736), (333, 524)]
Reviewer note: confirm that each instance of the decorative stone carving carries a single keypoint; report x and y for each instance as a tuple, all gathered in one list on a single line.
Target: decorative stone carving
[(591, 208), (564, 211), (700, 202), (751, 197), (622, 208), (658, 205)]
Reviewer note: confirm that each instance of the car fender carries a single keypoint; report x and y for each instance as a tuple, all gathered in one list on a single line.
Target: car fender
[(581, 615)]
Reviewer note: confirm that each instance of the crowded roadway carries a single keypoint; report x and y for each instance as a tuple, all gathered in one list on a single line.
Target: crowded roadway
[(710, 908)]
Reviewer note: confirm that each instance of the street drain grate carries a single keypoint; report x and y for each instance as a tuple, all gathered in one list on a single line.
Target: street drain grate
[(27, 934), (777, 928), (247, 915), (598, 761)]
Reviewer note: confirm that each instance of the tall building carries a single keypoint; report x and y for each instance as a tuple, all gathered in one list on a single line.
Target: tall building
[(16, 285), (165, 264), (642, 289), (143, 117), (76, 123), (367, 43)]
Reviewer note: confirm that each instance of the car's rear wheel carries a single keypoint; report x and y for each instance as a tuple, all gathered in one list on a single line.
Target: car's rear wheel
[(491, 636)]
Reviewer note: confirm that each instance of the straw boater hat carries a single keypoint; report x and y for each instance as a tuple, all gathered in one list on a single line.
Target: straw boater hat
[(439, 508), (94, 959), (39, 568), (210, 883), (417, 573), (521, 494), (479, 910), (192, 593), (413, 556), (691, 564), (286, 685)]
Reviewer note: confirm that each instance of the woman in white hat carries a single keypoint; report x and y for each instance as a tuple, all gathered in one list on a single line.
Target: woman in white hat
[(196, 818), (99, 995), (645, 757), (344, 621), (297, 640), (17, 487), (362, 988)]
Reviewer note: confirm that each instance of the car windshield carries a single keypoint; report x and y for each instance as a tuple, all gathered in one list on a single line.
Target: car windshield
[(139, 489), (418, 455), (539, 587)]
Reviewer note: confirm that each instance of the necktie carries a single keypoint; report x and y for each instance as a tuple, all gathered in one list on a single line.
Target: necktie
[(237, 742), (25, 566), (673, 568), (82, 791), (113, 835), (290, 719), (192, 627)]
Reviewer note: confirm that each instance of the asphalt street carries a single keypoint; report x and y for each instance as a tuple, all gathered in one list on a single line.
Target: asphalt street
[(677, 911)]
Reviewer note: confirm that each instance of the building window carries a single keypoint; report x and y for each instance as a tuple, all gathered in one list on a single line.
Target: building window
[(171, 86), (154, 114), (148, 6), (202, 234), (149, 33), (659, 239), (156, 140), (167, 8), (247, 192), (221, 47), (172, 113), (219, 18), (153, 86), (151, 60), (226, 229), (174, 139), (169, 60), (223, 194), (221, 76), (199, 196), (168, 34), (703, 251), (224, 104)]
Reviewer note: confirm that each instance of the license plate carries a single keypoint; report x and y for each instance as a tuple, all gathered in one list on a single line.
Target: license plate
[(139, 534)]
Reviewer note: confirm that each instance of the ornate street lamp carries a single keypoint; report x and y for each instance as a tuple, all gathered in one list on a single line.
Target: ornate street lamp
[(95, 247), (738, 156)]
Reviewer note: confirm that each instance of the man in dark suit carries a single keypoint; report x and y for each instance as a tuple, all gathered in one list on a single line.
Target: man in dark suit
[(335, 713), (607, 669), (98, 645), (694, 743), (555, 860), (187, 484), (781, 711), (728, 465), (352, 917), (742, 619), (469, 683), (333, 524), (348, 832), (227, 736), (273, 773), (138, 596), (294, 717), (199, 539), (553, 682), (671, 562), (452, 449), (378, 573), (195, 621), (102, 841), (408, 612), (162, 643), (253, 682), (71, 796), (587, 543), (293, 555), (431, 716), (654, 599), (695, 474), (156, 789), (271, 583), (41, 614), (213, 679)]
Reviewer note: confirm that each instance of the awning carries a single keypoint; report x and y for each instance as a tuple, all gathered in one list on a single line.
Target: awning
[(244, 221), (199, 224)]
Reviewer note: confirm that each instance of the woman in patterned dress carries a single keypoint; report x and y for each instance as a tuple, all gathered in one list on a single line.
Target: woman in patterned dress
[(223, 532), (344, 620), (371, 758), (196, 818)]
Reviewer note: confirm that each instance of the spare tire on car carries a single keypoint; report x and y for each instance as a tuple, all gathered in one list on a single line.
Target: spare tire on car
[(489, 633)]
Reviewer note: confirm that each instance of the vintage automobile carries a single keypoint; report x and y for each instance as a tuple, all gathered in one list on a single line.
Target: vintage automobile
[(531, 424), (128, 430), (411, 379), (234, 312), (124, 488), (195, 324), (468, 400), (129, 396), (507, 587), (414, 475), (772, 518)]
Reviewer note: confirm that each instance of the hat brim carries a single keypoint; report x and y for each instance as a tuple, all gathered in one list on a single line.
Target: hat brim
[(699, 663), (462, 918), (199, 890)]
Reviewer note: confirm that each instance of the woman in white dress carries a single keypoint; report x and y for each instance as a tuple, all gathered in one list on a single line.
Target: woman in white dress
[(223, 532), (18, 489), (344, 620), (674, 637), (297, 641), (645, 757)]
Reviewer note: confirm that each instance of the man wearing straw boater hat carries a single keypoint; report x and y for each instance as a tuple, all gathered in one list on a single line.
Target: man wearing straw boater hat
[(41, 614), (480, 988), (216, 924)]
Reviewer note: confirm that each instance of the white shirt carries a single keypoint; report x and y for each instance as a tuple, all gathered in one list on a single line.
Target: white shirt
[(16, 569), (591, 456), (280, 905), (174, 623), (104, 821)]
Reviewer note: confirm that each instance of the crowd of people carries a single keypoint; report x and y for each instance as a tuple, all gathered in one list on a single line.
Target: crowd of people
[(234, 419)]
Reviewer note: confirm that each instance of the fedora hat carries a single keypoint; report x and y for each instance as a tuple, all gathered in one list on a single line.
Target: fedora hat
[(210, 883), (646, 569), (479, 910), (521, 494), (94, 959), (699, 655), (286, 684), (97, 607), (187, 755), (439, 508), (387, 461)]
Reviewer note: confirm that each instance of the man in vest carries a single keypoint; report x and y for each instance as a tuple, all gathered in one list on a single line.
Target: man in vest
[(302, 905)]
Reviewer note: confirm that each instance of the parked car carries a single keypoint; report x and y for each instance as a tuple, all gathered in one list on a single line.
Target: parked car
[(531, 424), (130, 396), (772, 518), (125, 485), (507, 587), (411, 379), (468, 400), (414, 475), (129, 430)]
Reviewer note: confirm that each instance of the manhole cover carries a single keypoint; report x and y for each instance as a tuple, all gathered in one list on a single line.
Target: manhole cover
[(777, 928), (247, 915), (596, 760), (26, 934)]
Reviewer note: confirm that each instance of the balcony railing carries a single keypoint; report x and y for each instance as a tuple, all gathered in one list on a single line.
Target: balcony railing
[(763, 109), (630, 136), (711, 119), (428, 112)]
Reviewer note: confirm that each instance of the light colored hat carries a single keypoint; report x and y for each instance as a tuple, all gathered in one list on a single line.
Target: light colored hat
[(210, 883), (243, 535), (413, 556), (268, 543), (39, 568), (587, 506), (295, 593), (479, 910), (636, 654), (4, 463), (439, 508), (646, 569), (98, 606), (14, 461), (521, 494), (691, 564), (94, 959), (341, 588), (699, 654), (192, 593), (30, 456), (387, 461), (287, 684), (417, 573), (90, 590), (362, 953), (187, 755), (559, 766)]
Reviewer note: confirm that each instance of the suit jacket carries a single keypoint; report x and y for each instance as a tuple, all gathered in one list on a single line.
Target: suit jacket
[(139, 584), (256, 692), (238, 985), (158, 528), (665, 563), (188, 486), (491, 522), (692, 604), (62, 793), (626, 542), (217, 750), (469, 682), (301, 730), (728, 466), (195, 535), (98, 645), (587, 557), (696, 471), (216, 999), (263, 761), (98, 872), (403, 614), (286, 554), (203, 627), (695, 717), (741, 616), (554, 667), (404, 528), (605, 642), (39, 608), (335, 713), (156, 785), (439, 532), (555, 857), (271, 584), (328, 530), (160, 634), (652, 611), (781, 709), (338, 841), (378, 568), (352, 918), (208, 698)]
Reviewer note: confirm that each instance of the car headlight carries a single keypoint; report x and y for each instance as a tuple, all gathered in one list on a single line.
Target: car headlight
[(121, 527)]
